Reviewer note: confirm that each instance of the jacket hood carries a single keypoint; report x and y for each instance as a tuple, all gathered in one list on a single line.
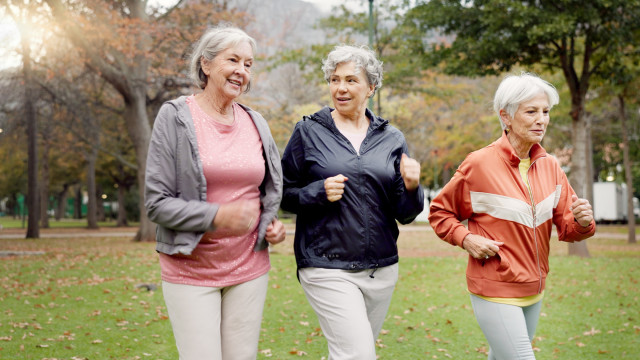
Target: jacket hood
[(323, 116)]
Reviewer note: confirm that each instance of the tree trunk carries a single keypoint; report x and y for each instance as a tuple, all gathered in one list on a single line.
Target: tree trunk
[(139, 129), (122, 195), (44, 185), (33, 226), (100, 214), (62, 202), (577, 177), (631, 219), (77, 209), (92, 213), (589, 160)]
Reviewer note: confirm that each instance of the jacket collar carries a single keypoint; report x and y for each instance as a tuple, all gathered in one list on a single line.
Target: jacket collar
[(324, 118), (509, 154)]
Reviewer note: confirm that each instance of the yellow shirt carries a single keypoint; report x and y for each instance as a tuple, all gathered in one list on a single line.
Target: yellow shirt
[(527, 300)]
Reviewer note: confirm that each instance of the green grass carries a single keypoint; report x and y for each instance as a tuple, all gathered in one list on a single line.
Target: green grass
[(8, 222), (79, 301)]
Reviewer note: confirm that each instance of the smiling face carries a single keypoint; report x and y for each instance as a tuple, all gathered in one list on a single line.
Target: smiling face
[(349, 89), (528, 124), (230, 71)]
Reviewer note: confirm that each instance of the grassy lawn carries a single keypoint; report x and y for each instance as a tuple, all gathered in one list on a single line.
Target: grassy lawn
[(8, 222), (80, 300)]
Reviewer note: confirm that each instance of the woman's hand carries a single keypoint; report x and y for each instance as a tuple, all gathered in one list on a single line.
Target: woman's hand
[(410, 171), (238, 217), (275, 232), (582, 211), (334, 187), (480, 247)]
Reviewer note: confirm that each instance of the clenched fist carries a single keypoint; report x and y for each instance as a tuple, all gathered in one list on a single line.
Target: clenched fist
[(334, 187), (410, 171)]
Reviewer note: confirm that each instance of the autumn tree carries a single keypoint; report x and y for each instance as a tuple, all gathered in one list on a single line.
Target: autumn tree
[(491, 36), (138, 51)]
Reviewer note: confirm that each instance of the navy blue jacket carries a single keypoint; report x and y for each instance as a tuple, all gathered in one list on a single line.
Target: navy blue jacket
[(358, 231)]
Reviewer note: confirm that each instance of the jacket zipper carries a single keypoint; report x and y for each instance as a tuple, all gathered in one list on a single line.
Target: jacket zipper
[(535, 238)]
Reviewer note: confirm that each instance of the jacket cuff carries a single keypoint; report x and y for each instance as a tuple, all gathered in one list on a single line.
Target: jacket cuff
[(584, 229), (458, 236)]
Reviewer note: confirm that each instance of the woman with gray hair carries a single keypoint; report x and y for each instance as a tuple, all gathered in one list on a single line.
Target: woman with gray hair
[(213, 186), (348, 178), (512, 193)]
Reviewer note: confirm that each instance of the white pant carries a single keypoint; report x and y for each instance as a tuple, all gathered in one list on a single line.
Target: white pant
[(216, 323), (509, 329), (351, 307)]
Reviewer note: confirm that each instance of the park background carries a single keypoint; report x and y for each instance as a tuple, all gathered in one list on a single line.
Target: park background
[(81, 82)]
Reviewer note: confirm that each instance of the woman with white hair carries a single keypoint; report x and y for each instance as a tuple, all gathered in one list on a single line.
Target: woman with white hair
[(512, 193), (348, 178), (213, 186)]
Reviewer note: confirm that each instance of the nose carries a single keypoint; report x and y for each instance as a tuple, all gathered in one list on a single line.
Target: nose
[(542, 117)]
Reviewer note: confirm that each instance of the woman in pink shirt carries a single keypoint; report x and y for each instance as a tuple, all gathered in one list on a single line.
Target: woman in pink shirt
[(213, 186)]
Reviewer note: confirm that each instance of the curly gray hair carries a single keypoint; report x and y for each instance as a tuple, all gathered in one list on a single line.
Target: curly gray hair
[(213, 42), (362, 56)]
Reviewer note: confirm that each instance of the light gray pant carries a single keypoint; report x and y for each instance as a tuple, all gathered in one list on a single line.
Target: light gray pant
[(351, 307), (216, 323), (509, 329)]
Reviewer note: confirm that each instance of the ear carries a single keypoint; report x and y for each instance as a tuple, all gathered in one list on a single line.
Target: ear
[(505, 118), (372, 89), (204, 64)]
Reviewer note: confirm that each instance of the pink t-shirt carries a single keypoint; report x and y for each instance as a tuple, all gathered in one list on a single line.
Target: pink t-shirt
[(234, 169)]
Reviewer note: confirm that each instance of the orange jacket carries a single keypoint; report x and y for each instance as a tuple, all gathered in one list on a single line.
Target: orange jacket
[(488, 190)]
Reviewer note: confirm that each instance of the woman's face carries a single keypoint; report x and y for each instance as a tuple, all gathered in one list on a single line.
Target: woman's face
[(530, 121), (349, 89), (230, 71)]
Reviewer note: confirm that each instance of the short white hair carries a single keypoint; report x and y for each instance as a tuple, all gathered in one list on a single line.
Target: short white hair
[(516, 89), (213, 42), (362, 56)]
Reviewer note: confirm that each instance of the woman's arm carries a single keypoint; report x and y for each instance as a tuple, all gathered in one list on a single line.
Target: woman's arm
[(162, 201), (298, 193)]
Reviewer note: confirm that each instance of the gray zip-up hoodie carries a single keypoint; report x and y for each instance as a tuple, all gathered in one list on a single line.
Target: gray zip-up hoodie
[(176, 189)]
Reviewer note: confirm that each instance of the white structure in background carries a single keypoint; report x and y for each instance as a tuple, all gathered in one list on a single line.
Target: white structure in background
[(610, 202), (428, 195)]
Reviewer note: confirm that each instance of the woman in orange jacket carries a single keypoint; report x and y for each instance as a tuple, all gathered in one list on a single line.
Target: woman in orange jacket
[(511, 192)]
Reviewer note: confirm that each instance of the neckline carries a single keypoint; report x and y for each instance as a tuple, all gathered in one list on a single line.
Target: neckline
[(212, 121)]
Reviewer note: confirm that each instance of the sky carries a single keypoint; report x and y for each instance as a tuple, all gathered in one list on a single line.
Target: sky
[(325, 5), (9, 36)]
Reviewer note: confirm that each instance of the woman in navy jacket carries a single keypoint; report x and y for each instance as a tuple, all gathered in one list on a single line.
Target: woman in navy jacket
[(348, 179)]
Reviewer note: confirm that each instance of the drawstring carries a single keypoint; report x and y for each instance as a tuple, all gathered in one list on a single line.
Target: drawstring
[(371, 275)]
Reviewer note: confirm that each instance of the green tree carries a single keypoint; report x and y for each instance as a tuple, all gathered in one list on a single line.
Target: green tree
[(492, 36)]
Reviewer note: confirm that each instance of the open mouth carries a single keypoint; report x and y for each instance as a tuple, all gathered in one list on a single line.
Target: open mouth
[(235, 82)]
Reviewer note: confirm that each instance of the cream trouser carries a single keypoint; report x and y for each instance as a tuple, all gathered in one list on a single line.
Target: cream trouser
[(216, 323), (351, 307)]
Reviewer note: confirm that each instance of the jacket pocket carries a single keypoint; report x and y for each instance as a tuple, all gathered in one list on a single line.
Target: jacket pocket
[(504, 269)]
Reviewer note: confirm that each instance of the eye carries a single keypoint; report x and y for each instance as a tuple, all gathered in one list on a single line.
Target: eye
[(248, 65)]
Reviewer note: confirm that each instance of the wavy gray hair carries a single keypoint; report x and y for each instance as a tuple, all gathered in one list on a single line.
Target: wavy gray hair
[(362, 56), (213, 42), (516, 89)]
